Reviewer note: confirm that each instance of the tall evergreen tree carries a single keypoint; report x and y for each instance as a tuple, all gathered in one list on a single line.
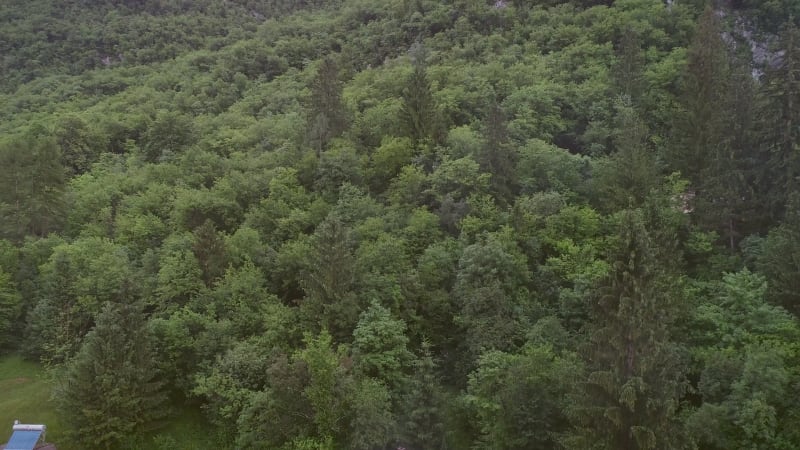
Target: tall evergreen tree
[(630, 398), (110, 391), (330, 301), (418, 113), (626, 178), (498, 157), (701, 127), (728, 203), (781, 122), (327, 116), (31, 186), (627, 72)]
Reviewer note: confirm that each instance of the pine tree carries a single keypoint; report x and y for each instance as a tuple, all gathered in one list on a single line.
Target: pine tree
[(781, 122), (209, 248), (109, 391), (10, 306), (418, 113), (630, 397), (328, 116), (728, 203), (627, 72), (498, 157), (330, 301), (627, 177), (701, 128), (31, 186), (422, 414)]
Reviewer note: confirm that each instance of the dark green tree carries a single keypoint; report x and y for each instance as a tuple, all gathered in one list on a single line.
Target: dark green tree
[(10, 308), (626, 178), (328, 283), (418, 111), (110, 391), (498, 157), (327, 115), (781, 122), (31, 186), (209, 248), (629, 400), (700, 130)]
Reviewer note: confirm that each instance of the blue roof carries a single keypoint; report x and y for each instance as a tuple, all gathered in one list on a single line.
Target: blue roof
[(23, 440)]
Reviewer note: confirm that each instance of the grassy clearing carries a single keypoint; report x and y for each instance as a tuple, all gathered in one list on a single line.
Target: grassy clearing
[(25, 395)]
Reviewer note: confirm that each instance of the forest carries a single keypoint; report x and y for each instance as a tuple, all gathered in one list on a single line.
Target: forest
[(405, 224)]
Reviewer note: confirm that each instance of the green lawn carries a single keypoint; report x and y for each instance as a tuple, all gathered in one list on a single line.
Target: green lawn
[(25, 395)]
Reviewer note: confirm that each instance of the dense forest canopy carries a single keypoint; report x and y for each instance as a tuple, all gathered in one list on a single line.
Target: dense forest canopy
[(381, 224)]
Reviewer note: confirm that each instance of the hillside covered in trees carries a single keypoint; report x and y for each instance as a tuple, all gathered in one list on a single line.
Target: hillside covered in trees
[(383, 224)]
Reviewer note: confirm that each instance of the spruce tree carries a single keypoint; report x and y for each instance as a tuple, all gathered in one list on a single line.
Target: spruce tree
[(109, 391), (701, 127), (781, 122), (418, 113), (498, 157), (31, 186), (630, 397), (328, 116)]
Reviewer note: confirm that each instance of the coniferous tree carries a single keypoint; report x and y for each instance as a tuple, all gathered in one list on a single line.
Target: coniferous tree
[(328, 116), (626, 178), (728, 203), (330, 301), (781, 116), (700, 130), (31, 186), (9, 308), (498, 157), (418, 112), (209, 248), (110, 391), (627, 72), (630, 398)]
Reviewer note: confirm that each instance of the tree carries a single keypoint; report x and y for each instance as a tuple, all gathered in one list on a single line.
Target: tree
[(747, 367), (626, 178), (423, 403), (498, 157), (209, 249), (327, 389), (781, 121), (327, 115), (379, 347), (627, 72), (518, 398), (779, 259), (418, 113), (701, 128), (629, 399), (328, 284), (110, 390), (31, 186), (10, 308)]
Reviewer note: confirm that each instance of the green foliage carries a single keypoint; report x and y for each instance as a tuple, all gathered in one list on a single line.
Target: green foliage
[(494, 186), (31, 186), (515, 397), (109, 391)]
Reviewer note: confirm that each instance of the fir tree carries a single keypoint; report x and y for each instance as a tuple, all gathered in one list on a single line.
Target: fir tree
[(31, 186), (781, 122), (110, 391), (418, 113), (630, 397), (328, 116)]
